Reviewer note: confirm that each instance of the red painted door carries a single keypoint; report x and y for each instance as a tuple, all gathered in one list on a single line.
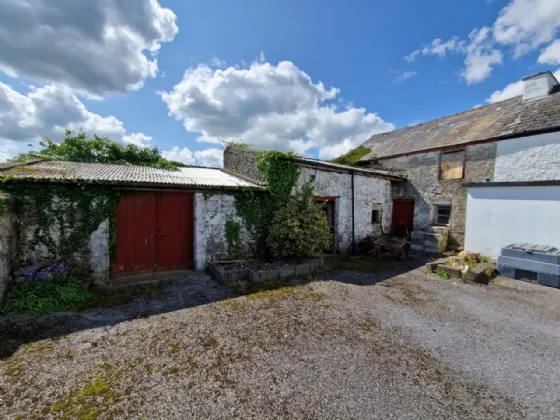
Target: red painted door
[(154, 233), (174, 236), (403, 217), (136, 226)]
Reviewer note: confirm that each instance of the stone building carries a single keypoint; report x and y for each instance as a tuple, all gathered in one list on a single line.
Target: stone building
[(358, 200), (165, 220), (462, 167)]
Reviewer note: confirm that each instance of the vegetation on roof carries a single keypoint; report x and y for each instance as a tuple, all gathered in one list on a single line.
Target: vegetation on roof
[(79, 148), (352, 157)]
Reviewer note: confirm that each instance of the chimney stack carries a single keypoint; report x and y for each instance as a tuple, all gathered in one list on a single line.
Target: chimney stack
[(539, 86)]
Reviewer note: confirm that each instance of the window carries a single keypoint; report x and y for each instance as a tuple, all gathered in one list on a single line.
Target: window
[(452, 165), (443, 214), (376, 214)]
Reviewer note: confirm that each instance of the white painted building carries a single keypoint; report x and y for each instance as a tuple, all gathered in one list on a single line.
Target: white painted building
[(522, 204)]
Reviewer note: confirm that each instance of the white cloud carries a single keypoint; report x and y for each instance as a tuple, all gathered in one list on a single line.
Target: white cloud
[(481, 56), (527, 24), (523, 25), (93, 47), (207, 157), (510, 91), (551, 54), (404, 76), (268, 106), (47, 112), (139, 139)]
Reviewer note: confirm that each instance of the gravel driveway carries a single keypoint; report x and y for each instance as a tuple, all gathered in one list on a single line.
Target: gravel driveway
[(412, 346)]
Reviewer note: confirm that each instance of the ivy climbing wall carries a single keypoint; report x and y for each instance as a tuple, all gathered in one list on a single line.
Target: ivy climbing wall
[(212, 211), (6, 240), (369, 193)]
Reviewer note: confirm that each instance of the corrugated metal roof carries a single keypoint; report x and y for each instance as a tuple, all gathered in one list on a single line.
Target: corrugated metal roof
[(127, 174), (346, 168), (509, 117)]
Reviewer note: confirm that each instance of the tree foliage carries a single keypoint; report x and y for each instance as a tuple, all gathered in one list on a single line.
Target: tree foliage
[(353, 156), (79, 148), (299, 229)]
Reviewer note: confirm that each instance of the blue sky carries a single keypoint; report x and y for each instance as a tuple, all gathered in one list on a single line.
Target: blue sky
[(317, 77)]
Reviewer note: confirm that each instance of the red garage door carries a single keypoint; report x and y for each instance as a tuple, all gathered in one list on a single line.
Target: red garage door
[(154, 233)]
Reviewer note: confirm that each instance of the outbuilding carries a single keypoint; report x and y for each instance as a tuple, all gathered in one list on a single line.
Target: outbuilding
[(165, 220)]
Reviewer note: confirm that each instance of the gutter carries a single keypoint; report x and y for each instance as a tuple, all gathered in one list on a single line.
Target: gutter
[(353, 224), (513, 184), (526, 133)]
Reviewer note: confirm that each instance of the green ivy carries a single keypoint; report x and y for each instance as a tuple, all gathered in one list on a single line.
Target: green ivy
[(353, 156), (300, 229), (257, 209), (63, 217), (233, 238)]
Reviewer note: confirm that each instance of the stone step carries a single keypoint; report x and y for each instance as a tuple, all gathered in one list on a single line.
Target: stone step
[(442, 230)]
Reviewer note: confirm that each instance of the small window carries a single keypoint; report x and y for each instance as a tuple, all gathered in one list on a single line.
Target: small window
[(443, 214), (376, 213), (452, 165)]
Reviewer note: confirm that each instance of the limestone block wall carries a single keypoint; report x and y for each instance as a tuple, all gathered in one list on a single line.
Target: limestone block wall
[(368, 192), (210, 215), (425, 187)]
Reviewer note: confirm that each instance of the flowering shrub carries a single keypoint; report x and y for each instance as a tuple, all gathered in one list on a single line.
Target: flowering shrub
[(47, 290)]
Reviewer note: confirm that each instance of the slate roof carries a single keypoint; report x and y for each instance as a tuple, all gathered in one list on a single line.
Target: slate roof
[(345, 168), (510, 117), (62, 171)]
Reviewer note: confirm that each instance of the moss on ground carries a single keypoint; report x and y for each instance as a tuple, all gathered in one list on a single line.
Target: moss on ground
[(363, 264)]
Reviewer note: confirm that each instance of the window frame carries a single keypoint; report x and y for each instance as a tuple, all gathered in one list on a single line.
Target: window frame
[(449, 152), (437, 208)]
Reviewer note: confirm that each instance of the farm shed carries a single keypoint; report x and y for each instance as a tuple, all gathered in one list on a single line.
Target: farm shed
[(165, 220), (358, 201)]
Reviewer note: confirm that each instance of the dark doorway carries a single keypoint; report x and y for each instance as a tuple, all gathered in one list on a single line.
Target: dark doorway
[(329, 207), (154, 233), (403, 217)]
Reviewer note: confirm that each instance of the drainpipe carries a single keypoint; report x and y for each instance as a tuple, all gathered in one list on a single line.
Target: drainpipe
[(353, 230)]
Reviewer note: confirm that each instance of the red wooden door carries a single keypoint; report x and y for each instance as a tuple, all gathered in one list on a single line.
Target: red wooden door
[(174, 236), (136, 226), (154, 233), (403, 217)]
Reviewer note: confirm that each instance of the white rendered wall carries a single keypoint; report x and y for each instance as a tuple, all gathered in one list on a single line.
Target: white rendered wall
[(499, 216), (533, 158)]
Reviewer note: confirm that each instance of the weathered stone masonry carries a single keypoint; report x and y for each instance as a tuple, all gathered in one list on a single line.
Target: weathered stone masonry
[(211, 212), (424, 186)]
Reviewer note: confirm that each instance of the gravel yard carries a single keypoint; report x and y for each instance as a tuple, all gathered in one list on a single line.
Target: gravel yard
[(350, 346)]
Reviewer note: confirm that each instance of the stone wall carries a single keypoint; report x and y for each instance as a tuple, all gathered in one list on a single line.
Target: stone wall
[(6, 250), (242, 161), (210, 215), (425, 187), (98, 253), (369, 193), (93, 260), (533, 158)]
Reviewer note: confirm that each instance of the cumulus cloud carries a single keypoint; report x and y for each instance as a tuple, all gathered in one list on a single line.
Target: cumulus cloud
[(47, 112), (481, 56), (511, 90), (522, 25), (208, 157), (527, 24), (269, 106), (551, 54), (93, 47)]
